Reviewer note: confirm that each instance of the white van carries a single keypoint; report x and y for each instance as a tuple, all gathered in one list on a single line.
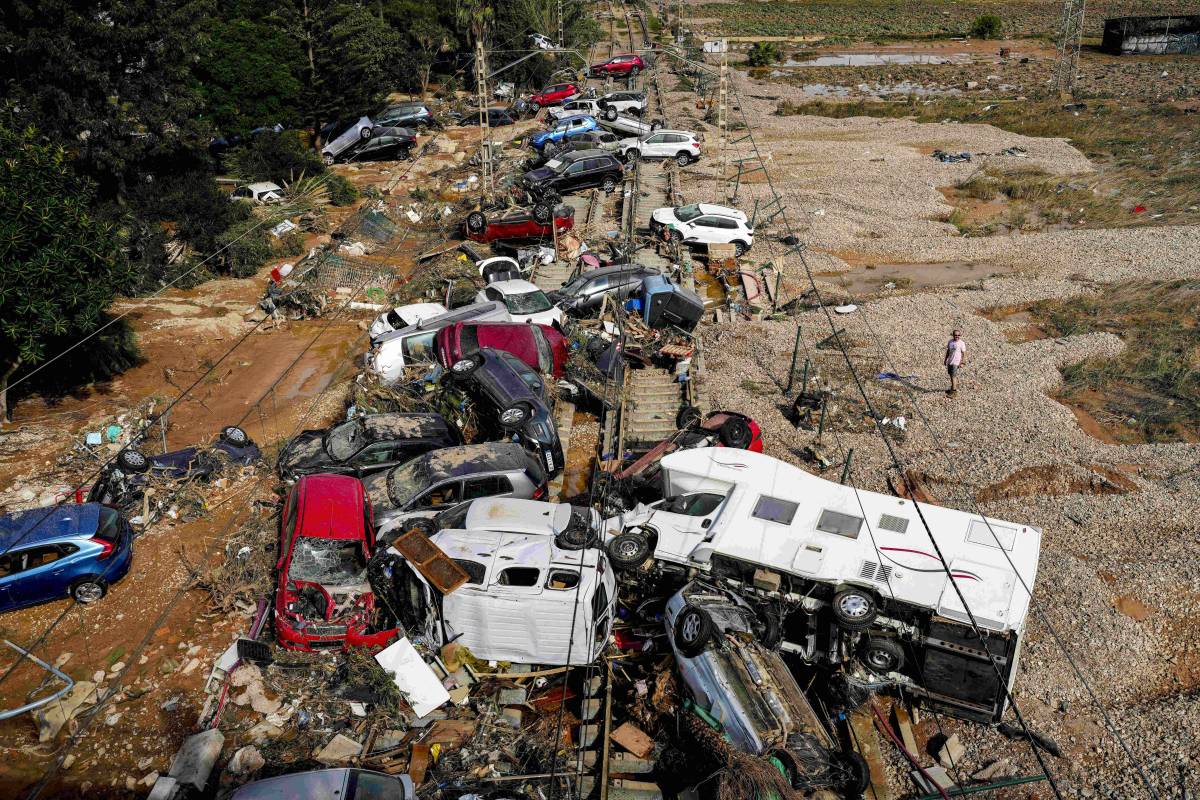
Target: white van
[(393, 351), (520, 601), (858, 560)]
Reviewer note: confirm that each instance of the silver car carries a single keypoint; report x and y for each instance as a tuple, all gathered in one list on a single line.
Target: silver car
[(723, 649)]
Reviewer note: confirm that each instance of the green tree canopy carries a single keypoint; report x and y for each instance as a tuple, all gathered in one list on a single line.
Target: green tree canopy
[(59, 266), (249, 76)]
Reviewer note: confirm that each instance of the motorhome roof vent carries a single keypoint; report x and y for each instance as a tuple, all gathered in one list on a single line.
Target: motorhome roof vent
[(890, 523), (873, 571)]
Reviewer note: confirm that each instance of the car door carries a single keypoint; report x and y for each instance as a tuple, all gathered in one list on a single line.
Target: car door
[(373, 458), (575, 177), (487, 486), (653, 146), (683, 522), (438, 497), (37, 574), (702, 229)]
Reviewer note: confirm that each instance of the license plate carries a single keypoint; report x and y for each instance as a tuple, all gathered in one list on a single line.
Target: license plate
[(549, 460)]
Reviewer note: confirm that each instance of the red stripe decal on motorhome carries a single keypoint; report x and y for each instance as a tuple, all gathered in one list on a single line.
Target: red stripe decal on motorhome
[(906, 550)]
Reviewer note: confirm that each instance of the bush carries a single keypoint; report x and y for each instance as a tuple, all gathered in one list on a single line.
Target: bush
[(247, 251), (764, 54), (341, 191), (278, 157), (986, 26), (290, 244)]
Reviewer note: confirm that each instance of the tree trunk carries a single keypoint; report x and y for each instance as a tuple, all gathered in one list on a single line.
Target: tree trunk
[(425, 81), (4, 391), (312, 71)]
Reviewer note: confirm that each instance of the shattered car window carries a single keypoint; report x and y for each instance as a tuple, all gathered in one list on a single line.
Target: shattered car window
[(328, 561), (687, 213), (344, 440), (528, 303), (395, 487), (555, 164)]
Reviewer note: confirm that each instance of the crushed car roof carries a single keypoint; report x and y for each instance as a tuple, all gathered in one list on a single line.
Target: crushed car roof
[(471, 459), (404, 425), (41, 524)]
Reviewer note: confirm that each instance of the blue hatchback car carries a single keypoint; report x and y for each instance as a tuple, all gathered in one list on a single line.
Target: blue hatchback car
[(564, 129), (73, 551)]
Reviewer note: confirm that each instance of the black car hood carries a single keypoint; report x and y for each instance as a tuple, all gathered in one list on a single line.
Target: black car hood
[(540, 174), (305, 452)]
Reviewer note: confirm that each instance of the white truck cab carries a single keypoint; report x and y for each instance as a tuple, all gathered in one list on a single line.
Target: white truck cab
[(857, 559), (528, 600)]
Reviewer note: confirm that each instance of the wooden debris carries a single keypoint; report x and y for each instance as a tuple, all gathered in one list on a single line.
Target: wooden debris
[(430, 561), (633, 739)]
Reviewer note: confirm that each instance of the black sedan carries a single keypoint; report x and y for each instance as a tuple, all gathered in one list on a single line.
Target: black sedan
[(512, 397), (366, 444)]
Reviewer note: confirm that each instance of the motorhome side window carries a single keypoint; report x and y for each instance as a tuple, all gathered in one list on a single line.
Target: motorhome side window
[(840, 524), (562, 579), (519, 576), (773, 509)]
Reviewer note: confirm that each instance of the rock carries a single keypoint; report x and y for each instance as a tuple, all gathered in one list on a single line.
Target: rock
[(165, 788), (131, 783), (1001, 768), (68, 761), (113, 719), (339, 750), (951, 753), (972, 84), (194, 762), (246, 761), (116, 668), (170, 704), (168, 665), (150, 779), (98, 676), (191, 666)]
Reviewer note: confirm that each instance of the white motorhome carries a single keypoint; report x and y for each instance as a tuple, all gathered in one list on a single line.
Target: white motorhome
[(841, 562), (528, 600)]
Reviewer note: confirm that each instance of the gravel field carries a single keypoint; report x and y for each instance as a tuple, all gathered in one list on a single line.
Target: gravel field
[(1119, 577)]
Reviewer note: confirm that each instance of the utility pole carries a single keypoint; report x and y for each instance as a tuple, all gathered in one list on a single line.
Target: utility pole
[(723, 116), (485, 134), (1070, 36), (561, 39)]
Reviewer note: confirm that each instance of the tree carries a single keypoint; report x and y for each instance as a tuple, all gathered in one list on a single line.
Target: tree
[(986, 26), (249, 76), (763, 54), (429, 39), (59, 265)]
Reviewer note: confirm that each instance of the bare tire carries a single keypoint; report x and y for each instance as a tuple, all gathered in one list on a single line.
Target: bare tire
[(234, 435), (610, 113), (132, 461), (328, 160), (693, 630), (771, 628), (541, 213), (854, 609), (687, 417), (476, 222), (88, 591), (735, 432), (881, 654), (628, 550)]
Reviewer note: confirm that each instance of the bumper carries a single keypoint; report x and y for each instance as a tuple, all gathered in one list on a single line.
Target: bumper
[(292, 638)]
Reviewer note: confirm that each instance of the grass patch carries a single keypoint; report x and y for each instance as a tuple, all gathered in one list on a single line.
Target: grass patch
[(1158, 172), (1152, 389)]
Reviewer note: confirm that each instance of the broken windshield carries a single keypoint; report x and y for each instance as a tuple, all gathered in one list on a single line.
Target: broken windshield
[(687, 213), (333, 562), (396, 487), (344, 440), (528, 303)]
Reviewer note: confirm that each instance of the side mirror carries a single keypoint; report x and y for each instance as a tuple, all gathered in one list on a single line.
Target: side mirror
[(706, 523)]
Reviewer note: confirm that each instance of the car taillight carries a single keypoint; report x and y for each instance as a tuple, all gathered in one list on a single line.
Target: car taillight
[(107, 548), (695, 145), (540, 492)]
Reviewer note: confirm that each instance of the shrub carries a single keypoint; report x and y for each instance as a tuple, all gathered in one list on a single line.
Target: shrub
[(986, 26), (247, 249), (341, 191), (278, 157), (764, 54)]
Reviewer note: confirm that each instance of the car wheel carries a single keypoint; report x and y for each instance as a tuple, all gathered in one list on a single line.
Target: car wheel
[(656, 124), (328, 160), (854, 609), (577, 536), (609, 184), (535, 107), (628, 550), (687, 417), (541, 213), (633, 73), (677, 236), (476, 222), (132, 461), (464, 367), (234, 435), (683, 159), (740, 248), (735, 432), (88, 591), (514, 416), (610, 113), (881, 654), (366, 133), (632, 155), (693, 630), (786, 763), (856, 774), (425, 526)]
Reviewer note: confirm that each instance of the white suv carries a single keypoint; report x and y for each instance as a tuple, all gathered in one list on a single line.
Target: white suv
[(615, 103), (679, 145), (584, 105), (701, 223)]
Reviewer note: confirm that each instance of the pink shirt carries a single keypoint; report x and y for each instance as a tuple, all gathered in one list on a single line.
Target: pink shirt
[(955, 350)]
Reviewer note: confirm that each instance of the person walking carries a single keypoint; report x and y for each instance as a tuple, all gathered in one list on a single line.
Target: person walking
[(956, 357)]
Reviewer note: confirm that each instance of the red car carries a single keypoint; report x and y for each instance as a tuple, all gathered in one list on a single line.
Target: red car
[(519, 223), (542, 347), (618, 67), (718, 429), (553, 95), (323, 601)]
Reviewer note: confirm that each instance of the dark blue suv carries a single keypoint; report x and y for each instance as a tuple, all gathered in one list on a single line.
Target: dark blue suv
[(65, 551)]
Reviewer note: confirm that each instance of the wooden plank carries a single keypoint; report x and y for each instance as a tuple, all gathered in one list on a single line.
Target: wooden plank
[(904, 726), (430, 561), (633, 739), (866, 741)]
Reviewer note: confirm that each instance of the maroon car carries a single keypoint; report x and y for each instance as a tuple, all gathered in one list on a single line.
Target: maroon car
[(553, 95), (519, 223), (618, 67), (540, 346)]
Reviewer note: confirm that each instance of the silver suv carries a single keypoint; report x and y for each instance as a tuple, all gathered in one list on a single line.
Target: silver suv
[(442, 479)]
